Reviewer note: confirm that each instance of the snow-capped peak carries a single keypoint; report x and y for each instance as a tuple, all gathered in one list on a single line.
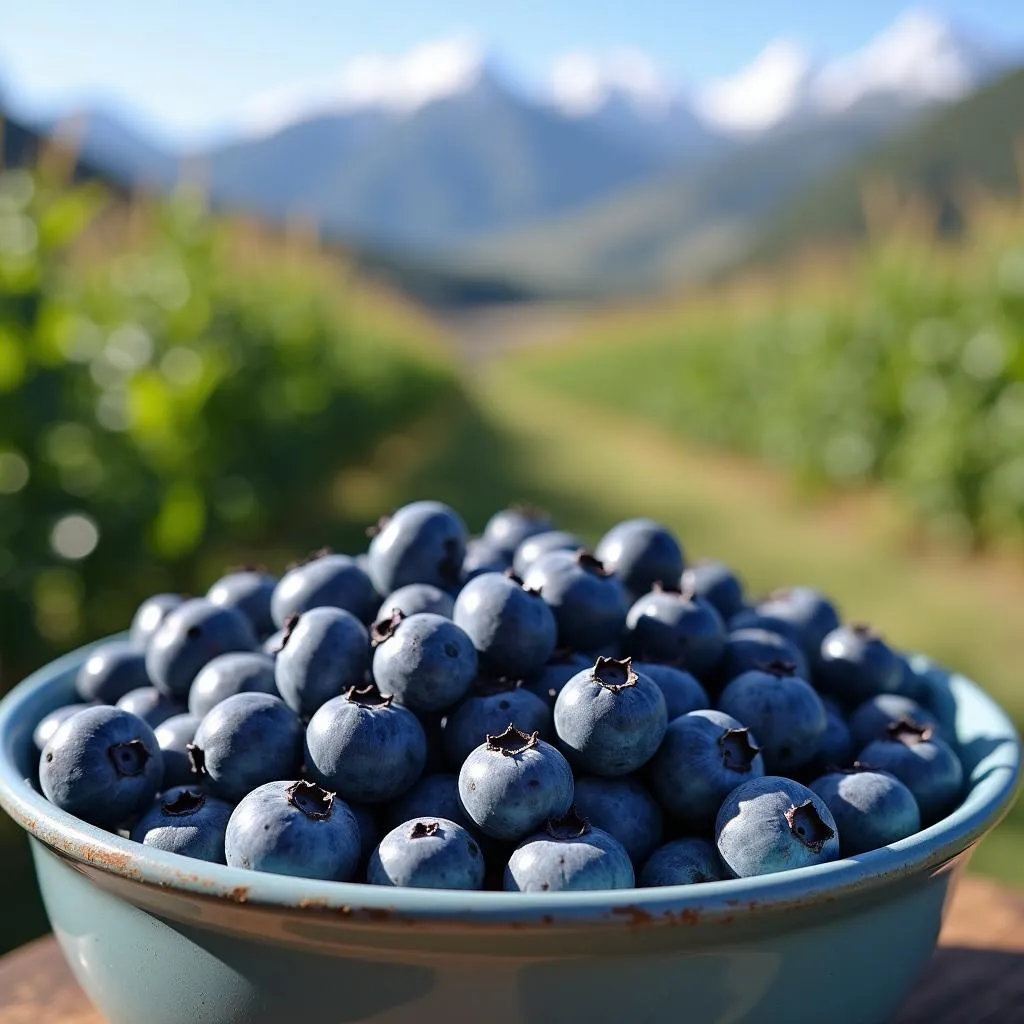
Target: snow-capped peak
[(768, 90), (583, 83), (397, 83), (920, 57)]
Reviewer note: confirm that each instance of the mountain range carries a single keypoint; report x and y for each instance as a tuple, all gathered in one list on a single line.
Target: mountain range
[(612, 176)]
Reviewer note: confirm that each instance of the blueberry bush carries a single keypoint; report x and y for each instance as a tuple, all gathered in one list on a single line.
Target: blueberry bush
[(173, 393), (909, 370)]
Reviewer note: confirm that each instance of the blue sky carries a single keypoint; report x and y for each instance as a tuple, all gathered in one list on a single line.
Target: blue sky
[(187, 69)]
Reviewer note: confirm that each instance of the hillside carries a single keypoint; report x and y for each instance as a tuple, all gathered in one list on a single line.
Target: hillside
[(685, 224), (971, 141)]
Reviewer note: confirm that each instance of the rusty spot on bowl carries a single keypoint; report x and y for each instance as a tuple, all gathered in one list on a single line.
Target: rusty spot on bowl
[(638, 917), (379, 913), (240, 894), (312, 904)]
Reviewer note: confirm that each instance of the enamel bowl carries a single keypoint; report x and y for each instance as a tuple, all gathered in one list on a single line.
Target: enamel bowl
[(157, 938)]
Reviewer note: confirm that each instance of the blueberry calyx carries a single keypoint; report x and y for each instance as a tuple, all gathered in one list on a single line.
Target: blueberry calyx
[(510, 574), (512, 741), (187, 801), (738, 750), (194, 632), (378, 527), (315, 802), (532, 512), (129, 758), (586, 561), (615, 674), (423, 829), (385, 629), (368, 696), (668, 587), (807, 825), (311, 557), (286, 634), (864, 631), (570, 826), (247, 567), (779, 667), (488, 686), (196, 758), (909, 732)]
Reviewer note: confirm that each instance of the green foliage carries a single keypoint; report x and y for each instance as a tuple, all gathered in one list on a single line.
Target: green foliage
[(913, 375), (168, 402)]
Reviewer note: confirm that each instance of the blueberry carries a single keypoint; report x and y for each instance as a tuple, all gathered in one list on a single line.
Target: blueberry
[(683, 862), (102, 765), (174, 736), (704, 756), (751, 618), (514, 782), (191, 635), (49, 724), (294, 828), (365, 747), (587, 600), (271, 647), (910, 682), (855, 663), (641, 553), (560, 668), (535, 547), (188, 821), (512, 628), (773, 824), (570, 855), (873, 719), (837, 747), (245, 741), (425, 660), (748, 649), (416, 598), (111, 671), (925, 764), (428, 853), (152, 706), (228, 674), (369, 833), (718, 585), (680, 629), (482, 556), (871, 808), (326, 652), (490, 706), (326, 581), (148, 617), (506, 530), (424, 542), (249, 591), (625, 810), (783, 712), (682, 692), (807, 610), (610, 719), (434, 796)]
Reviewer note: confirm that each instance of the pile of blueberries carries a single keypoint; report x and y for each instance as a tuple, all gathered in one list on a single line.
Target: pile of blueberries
[(510, 711)]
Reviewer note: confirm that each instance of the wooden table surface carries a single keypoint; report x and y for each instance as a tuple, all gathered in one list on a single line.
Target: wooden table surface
[(975, 977)]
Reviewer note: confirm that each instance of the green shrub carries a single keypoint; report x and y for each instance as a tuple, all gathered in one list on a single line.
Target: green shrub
[(910, 373), (168, 398)]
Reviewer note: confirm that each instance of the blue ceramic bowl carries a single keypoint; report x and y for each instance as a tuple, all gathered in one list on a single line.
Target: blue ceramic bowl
[(156, 938)]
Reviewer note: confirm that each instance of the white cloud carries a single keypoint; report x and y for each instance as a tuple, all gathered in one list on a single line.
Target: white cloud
[(398, 83), (763, 93), (582, 82), (918, 56)]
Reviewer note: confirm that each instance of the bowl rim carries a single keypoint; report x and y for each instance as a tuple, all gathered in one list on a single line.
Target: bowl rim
[(993, 785)]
